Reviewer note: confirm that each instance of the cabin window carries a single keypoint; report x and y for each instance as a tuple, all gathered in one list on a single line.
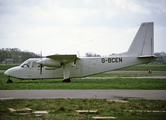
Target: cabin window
[(34, 65)]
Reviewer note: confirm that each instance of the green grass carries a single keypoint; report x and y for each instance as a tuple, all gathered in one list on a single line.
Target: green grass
[(65, 109), (77, 83), (146, 67), (125, 75), (3, 67)]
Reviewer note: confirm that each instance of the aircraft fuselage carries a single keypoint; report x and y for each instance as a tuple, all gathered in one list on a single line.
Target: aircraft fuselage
[(83, 67)]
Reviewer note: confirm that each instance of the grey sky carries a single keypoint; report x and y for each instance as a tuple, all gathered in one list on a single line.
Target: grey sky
[(68, 26)]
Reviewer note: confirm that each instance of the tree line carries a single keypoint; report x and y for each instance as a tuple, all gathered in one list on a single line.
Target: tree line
[(16, 55), (19, 56), (161, 58)]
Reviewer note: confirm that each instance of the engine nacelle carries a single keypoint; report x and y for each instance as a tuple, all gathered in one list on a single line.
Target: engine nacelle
[(49, 62)]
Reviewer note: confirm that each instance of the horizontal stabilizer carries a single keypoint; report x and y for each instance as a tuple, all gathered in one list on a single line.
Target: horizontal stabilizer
[(147, 56)]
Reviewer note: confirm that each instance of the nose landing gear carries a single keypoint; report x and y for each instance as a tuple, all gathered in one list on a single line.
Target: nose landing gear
[(9, 80)]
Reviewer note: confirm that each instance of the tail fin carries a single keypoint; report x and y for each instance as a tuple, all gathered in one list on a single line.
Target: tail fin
[(143, 43)]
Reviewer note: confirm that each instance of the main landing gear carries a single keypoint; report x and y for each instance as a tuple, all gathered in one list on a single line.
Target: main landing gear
[(66, 80), (9, 80)]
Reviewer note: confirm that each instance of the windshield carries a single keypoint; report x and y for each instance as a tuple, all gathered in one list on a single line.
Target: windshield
[(26, 64)]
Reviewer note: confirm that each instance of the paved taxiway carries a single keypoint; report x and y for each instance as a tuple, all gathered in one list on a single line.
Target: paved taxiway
[(99, 94)]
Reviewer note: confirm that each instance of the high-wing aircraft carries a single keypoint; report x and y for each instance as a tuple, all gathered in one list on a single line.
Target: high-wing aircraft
[(71, 66)]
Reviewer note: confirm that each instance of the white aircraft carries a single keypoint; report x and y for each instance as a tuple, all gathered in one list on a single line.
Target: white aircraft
[(70, 66)]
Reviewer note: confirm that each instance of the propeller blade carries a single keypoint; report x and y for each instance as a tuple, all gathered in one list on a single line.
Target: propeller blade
[(41, 69), (41, 64), (41, 55)]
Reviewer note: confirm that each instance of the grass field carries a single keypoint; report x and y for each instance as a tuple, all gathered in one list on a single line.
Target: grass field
[(65, 109), (77, 83), (146, 67), (125, 75), (2, 67)]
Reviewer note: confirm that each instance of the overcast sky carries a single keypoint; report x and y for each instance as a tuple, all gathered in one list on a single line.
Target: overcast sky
[(72, 26)]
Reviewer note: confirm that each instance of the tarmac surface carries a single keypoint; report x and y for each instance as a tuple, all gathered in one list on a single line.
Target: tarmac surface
[(89, 94)]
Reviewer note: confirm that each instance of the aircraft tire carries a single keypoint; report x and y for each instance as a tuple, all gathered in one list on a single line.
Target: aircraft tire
[(66, 80), (9, 81)]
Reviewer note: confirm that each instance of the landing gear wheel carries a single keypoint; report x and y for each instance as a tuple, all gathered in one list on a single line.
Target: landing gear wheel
[(9, 81), (66, 80)]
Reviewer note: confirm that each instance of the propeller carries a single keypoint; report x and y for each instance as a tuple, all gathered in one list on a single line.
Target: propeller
[(41, 65), (41, 69)]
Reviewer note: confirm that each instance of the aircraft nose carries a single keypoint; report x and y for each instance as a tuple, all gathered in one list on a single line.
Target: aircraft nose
[(7, 73)]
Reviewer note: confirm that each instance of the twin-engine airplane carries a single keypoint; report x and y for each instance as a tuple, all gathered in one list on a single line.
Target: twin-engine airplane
[(70, 66)]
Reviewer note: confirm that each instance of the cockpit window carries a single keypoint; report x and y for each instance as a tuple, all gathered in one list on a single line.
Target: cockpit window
[(26, 64)]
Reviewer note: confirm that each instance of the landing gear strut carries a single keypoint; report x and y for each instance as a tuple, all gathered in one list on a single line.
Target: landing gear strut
[(66, 80), (9, 81)]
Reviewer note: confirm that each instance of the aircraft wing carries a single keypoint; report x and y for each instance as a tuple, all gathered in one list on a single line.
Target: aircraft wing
[(63, 58)]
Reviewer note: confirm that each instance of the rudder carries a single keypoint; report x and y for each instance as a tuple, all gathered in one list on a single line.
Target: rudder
[(143, 43)]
